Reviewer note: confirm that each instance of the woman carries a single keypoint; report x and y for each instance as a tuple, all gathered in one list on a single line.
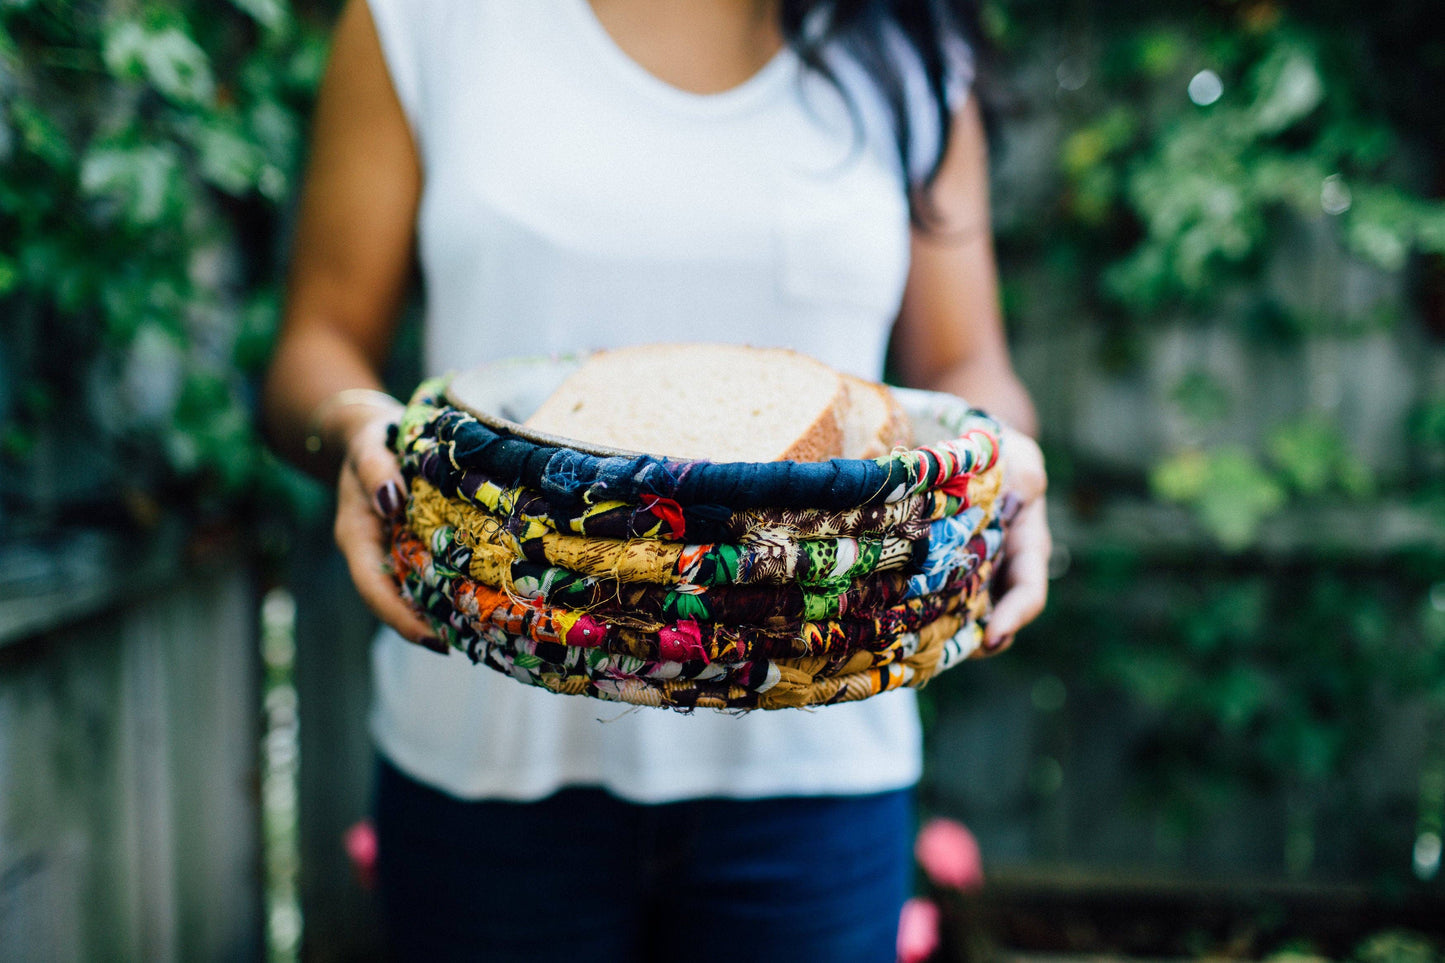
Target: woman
[(591, 173)]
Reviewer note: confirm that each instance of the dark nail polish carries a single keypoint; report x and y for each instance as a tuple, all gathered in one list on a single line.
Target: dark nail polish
[(436, 645), (389, 500)]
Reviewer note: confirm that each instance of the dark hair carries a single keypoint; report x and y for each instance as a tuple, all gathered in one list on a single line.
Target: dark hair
[(860, 28)]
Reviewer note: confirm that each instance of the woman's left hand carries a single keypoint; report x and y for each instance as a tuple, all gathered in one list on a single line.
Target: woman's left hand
[(1024, 577)]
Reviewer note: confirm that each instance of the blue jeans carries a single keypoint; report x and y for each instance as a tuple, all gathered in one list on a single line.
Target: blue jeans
[(583, 876)]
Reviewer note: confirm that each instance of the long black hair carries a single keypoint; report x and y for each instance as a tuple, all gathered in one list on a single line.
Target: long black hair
[(861, 27)]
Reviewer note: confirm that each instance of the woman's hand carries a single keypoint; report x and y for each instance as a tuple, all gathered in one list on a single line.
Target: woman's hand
[(1024, 577), (369, 496)]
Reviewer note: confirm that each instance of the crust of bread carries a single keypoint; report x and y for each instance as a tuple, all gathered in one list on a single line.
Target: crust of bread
[(824, 438), (898, 429), (875, 422)]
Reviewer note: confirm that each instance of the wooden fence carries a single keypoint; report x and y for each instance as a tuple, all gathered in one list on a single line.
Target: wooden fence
[(129, 715)]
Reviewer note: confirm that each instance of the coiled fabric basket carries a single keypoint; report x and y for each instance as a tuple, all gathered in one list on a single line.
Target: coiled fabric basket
[(682, 583)]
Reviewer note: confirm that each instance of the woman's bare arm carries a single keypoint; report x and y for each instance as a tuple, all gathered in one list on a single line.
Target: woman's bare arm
[(950, 334), (950, 337), (351, 262)]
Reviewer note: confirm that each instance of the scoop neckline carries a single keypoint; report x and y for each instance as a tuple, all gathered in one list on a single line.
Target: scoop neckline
[(759, 85)]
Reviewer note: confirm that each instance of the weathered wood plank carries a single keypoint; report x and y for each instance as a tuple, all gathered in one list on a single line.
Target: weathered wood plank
[(128, 808)]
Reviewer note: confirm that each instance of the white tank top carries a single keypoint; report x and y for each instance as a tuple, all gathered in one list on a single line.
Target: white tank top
[(572, 200)]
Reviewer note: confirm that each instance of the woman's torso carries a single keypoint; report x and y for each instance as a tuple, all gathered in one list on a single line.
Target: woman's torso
[(574, 201)]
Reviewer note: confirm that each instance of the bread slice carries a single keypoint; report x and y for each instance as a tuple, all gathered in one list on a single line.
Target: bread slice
[(875, 423), (716, 402)]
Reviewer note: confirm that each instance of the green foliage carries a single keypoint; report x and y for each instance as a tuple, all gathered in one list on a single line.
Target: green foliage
[(1200, 133), (1203, 151), (1217, 163), (1398, 946), (1227, 487), (1232, 491), (1303, 683), (147, 152)]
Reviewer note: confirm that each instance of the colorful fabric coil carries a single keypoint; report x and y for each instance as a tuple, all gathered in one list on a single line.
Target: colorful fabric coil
[(822, 561), (432, 428), (525, 647), (449, 595), (666, 519), (690, 584), (765, 606)]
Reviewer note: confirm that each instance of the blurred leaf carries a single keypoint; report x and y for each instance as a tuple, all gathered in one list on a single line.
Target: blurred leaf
[(1158, 680), (1237, 696), (1312, 457), (1397, 946), (9, 276), (1201, 397), (229, 158), (1228, 490), (142, 178), (1160, 53), (271, 14), (1289, 89), (1307, 452), (1379, 242), (165, 57), (1090, 145), (1182, 477), (15, 441), (258, 322), (40, 134)]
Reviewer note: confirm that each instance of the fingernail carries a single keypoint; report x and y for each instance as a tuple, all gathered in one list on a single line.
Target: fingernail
[(1002, 642), (436, 645), (389, 500), (1009, 507)]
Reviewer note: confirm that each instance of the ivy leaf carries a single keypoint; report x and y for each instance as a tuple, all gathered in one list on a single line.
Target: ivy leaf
[(1307, 453), (1227, 489), (1181, 478), (274, 15), (164, 57), (1201, 397), (1313, 456), (1290, 88), (229, 159), (1430, 229), (40, 135), (141, 178)]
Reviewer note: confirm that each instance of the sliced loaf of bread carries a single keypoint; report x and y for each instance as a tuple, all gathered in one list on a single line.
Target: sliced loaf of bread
[(704, 401)]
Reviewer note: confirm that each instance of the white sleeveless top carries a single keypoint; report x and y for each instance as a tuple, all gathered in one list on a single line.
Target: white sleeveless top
[(572, 200)]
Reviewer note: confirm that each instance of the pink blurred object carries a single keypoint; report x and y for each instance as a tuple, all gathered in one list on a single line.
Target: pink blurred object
[(949, 855), (917, 930), (360, 842)]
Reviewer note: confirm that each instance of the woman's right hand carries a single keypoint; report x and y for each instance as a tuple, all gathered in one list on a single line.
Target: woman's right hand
[(369, 497)]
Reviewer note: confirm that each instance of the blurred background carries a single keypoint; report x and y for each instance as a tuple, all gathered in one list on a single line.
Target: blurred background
[(1221, 229)]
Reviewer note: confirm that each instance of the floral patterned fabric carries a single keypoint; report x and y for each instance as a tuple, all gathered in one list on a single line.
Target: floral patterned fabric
[(910, 658), (947, 568), (824, 561), (666, 519), (459, 601), (765, 606)]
